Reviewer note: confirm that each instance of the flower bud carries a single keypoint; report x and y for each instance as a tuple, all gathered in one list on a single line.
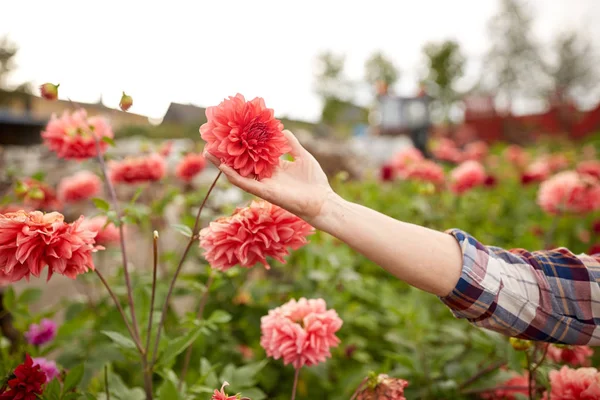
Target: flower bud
[(519, 344), (382, 386), (126, 102), (49, 91)]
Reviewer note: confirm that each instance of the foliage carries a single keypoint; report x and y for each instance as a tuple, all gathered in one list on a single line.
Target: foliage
[(378, 68)]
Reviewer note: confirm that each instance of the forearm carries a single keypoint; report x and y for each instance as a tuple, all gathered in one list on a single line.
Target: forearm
[(424, 258)]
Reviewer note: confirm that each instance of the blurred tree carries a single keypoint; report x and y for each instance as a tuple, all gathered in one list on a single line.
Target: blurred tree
[(445, 64), (8, 51), (513, 62), (380, 70)]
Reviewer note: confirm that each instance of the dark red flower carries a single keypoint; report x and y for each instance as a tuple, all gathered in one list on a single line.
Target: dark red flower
[(387, 173), (490, 181), (596, 227), (26, 383), (595, 249)]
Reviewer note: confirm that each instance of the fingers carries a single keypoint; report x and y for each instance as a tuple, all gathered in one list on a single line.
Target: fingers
[(297, 149), (216, 162), (251, 186)]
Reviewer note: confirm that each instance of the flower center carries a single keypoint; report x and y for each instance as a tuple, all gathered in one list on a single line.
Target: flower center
[(257, 133)]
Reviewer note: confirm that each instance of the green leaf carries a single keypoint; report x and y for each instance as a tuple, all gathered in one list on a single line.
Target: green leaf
[(101, 204), (168, 391), (109, 141), (30, 295), (254, 394), (245, 376), (52, 391), (119, 339), (219, 317), (9, 299), (183, 229), (137, 194), (73, 378), (39, 176), (178, 345)]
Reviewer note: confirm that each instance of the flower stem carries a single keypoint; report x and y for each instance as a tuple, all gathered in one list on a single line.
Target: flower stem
[(147, 370), (296, 375), (193, 238), (188, 354), (549, 239), (530, 370), (113, 195), (480, 374), (106, 383), (359, 388)]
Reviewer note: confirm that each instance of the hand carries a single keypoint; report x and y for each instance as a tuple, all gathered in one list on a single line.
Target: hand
[(299, 186)]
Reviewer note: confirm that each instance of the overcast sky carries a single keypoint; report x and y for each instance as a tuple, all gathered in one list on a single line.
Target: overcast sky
[(202, 51)]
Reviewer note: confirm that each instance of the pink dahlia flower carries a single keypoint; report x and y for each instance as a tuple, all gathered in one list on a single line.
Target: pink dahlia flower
[(466, 176), (37, 195), (569, 384), (221, 395), (575, 356), (251, 235), (383, 386), (446, 150), (72, 136), (569, 192), (166, 148), (81, 186), (245, 136), (300, 332), (150, 168), (558, 162), (106, 232), (536, 172), (48, 367), (591, 168), (31, 241), (405, 158), (476, 151), (42, 333), (519, 385), (190, 166), (425, 171), (516, 156)]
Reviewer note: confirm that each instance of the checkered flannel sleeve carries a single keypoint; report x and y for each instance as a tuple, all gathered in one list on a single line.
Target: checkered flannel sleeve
[(551, 296)]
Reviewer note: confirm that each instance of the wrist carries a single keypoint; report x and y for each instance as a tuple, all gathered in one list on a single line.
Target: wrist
[(328, 215)]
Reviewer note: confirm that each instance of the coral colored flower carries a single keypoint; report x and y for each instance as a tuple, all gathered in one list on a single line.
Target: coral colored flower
[(575, 356), (37, 195), (221, 395), (81, 186), (519, 386), (166, 148), (569, 192), (134, 170), (246, 352), (49, 91), (107, 232), (405, 158), (31, 241), (446, 150), (516, 156), (300, 332), (251, 235), (536, 172), (42, 333), (72, 136), (11, 208), (475, 151), (467, 176), (595, 249), (48, 367), (591, 168), (382, 386), (424, 171), (569, 384), (190, 166), (386, 173), (245, 136), (27, 382)]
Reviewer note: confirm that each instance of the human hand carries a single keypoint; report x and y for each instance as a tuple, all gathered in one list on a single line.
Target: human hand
[(299, 186)]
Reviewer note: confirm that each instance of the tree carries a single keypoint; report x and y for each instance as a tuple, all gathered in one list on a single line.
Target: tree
[(445, 64), (332, 86), (379, 69), (8, 51), (513, 62)]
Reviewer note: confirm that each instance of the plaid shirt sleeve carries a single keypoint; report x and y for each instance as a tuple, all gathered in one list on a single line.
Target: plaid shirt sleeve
[(551, 296)]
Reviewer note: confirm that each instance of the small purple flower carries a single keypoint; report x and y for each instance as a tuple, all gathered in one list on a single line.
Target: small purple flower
[(48, 367), (42, 333)]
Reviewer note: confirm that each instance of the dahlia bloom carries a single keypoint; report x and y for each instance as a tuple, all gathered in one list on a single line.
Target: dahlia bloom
[(221, 395), (569, 192), (519, 381), (81, 186), (106, 232), (42, 333), (245, 136), (467, 176), (536, 172), (26, 384), (29, 241), (490, 181), (251, 235), (558, 162), (190, 166), (386, 173), (425, 171), (405, 158), (594, 250), (301, 332), (591, 168), (475, 151), (383, 386), (37, 195), (135, 170), (568, 384), (48, 367), (446, 150), (515, 155), (49, 91), (72, 136), (575, 356)]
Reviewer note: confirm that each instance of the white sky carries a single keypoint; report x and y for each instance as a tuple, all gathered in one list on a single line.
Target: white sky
[(202, 51)]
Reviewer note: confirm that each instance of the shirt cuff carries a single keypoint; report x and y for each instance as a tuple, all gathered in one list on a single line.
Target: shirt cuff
[(475, 295)]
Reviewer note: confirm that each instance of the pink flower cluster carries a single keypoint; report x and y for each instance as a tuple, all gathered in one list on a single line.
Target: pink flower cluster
[(516, 156), (467, 176), (190, 166), (591, 168), (300, 332), (475, 151), (569, 384), (81, 186), (134, 170), (72, 135), (446, 150), (37, 195), (31, 241), (251, 235), (42, 333), (576, 356), (245, 136), (48, 367), (569, 192), (106, 232)]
